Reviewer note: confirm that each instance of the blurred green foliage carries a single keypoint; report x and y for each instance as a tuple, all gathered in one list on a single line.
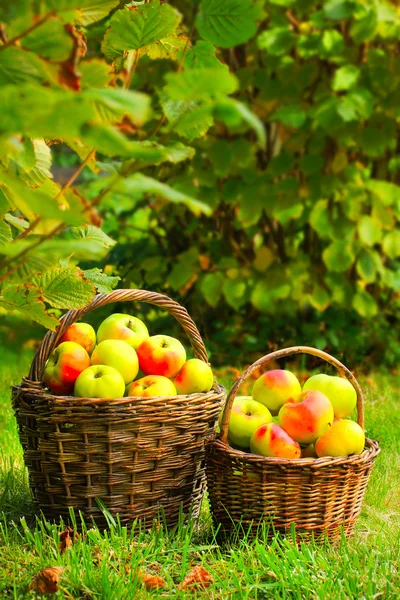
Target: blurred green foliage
[(246, 160)]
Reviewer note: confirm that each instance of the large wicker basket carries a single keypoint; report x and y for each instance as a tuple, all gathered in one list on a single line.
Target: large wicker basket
[(317, 497), (135, 455)]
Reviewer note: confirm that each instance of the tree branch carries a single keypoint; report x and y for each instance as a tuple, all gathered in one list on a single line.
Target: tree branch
[(27, 31)]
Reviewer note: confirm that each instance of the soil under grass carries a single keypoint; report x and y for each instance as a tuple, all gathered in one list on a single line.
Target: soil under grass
[(108, 565)]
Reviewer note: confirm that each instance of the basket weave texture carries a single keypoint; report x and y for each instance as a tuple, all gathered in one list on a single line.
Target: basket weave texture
[(136, 455), (320, 497)]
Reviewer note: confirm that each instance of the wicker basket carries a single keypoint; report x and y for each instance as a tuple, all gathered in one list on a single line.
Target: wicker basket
[(318, 497), (136, 455)]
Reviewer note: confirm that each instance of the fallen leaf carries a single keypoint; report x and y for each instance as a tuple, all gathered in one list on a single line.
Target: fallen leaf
[(198, 576), (46, 581), (152, 582), (67, 538)]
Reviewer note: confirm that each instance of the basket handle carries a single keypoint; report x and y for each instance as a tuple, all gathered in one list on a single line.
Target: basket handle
[(265, 360), (173, 308)]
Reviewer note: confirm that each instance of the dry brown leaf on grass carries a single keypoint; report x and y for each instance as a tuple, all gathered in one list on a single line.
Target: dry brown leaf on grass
[(198, 576), (46, 581), (67, 538), (152, 582)]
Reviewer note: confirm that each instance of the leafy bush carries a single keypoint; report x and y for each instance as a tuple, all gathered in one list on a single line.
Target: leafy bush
[(253, 171)]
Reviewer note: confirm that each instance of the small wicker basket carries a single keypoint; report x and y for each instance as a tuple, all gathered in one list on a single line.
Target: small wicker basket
[(318, 497), (136, 455)]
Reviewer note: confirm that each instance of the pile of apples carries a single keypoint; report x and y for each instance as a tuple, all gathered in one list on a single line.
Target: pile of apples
[(123, 359), (280, 419)]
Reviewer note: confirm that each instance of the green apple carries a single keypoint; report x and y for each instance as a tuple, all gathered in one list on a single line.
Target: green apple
[(152, 385), (247, 415), (339, 391), (99, 381), (195, 376), (117, 354), (276, 387), (123, 327), (343, 438), (64, 366)]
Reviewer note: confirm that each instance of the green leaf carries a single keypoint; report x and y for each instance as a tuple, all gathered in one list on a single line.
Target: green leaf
[(40, 202), (277, 41), (234, 292), (95, 73), (113, 104), (211, 287), (141, 184), (168, 47), (391, 244), (230, 110), (50, 40), (65, 287), (370, 231), (228, 23), (320, 219), (90, 232), (40, 170), (338, 9), (364, 304), (202, 56), (131, 30), (274, 288), (338, 256), (366, 266), (388, 193), (5, 233), (87, 11), (345, 78), (188, 119), (199, 84), (319, 298), (27, 299), (291, 116), (19, 67), (103, 283)]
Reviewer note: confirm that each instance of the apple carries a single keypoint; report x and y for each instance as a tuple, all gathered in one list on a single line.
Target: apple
[(195, 376), (272, 440), (117, 354), (306, 418), (99, 381), (345, 437), (161, 355), (123, 327), (274, 388), (63, 367), (152, 385), (309, 451), (339, 391), (247, 415), (81, 333)]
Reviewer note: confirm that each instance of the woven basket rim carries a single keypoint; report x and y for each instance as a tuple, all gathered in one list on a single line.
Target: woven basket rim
[(72, 401), (371, 450)]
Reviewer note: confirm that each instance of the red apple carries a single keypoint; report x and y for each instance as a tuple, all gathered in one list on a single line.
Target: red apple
[(271, 440), (161, 355), (82, 334), (152, 385), (306, 418), (64, 366)]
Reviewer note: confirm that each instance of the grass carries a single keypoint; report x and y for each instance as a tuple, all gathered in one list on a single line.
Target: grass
[(105, 565)]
